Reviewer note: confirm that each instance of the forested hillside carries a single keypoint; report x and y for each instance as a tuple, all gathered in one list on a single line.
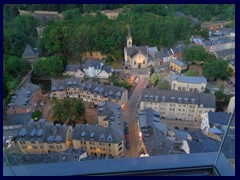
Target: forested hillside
[(81, 31)]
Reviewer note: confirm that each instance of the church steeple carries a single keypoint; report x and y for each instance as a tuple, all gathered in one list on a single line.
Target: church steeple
[(129, 38)]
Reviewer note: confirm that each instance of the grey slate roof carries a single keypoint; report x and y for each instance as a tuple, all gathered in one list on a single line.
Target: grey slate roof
[(29, 52), (205, 145), (97, 64), (110, 134), (24, 95), (189, 79), (155, 95), (219, 117), (15, 119), (162, 54), (55, 133), (158, 144), (109, 91), (152, 49), (107, 68), (225, 52), (112, 111), (178, 62), (32, 130), (73, 67), (147, 117), (132, 51), (181, 135)]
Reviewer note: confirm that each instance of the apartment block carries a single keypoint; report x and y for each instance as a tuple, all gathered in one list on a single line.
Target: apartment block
[(99, 141), (178, 105), (44, 137), (88, 91)]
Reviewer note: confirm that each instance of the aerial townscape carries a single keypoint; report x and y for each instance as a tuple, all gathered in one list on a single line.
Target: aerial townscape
[(86, 82)]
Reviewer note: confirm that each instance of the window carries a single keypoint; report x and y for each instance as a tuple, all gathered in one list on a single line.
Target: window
[(134, 62), (143, 62)]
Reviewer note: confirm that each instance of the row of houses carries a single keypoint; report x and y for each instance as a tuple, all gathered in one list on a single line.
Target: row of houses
[(180, 105), (104, 139), (24, 99), (88, 91), (89, 68)]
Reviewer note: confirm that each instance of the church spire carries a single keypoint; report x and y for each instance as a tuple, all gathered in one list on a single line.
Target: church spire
[(129, 38)]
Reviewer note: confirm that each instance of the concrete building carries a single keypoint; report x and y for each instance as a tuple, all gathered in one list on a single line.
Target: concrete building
[(177, 66), (109, 113), (44, 137), (25, 99), (211, 121), (177, 104), (74, 70), (88, 91), (135, 56), (99, 141), (96, 69), (188, 83)]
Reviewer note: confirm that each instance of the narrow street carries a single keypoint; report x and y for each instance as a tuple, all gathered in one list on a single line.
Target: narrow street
[(130, 112)]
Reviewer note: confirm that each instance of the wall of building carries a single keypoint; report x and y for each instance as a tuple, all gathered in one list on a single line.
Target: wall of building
[(181, 86), (88, 96), (139, 59), (100, 148), (173, 110)]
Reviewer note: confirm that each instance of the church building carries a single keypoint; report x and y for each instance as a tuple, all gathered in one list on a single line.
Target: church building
[(135, 56)]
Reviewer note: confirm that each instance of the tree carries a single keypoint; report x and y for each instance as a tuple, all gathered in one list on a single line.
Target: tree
[(37, 114), (164, 85), (155, 78), (152, 70), (191, 72), (51, 66), (194, 53), (217, 69), (18, 32), (68, 109)]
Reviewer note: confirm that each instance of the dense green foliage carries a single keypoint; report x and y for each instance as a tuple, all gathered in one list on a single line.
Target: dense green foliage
[(51, 66), (19, 32), (14, 69), (125, 83), (191, 72), (155, 78), (207, 12), (163, 84), (197, 53), (37, 114), (217, 69), (68, 109)]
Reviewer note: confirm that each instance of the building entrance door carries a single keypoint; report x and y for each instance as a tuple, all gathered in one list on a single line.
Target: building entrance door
[(139, 65)]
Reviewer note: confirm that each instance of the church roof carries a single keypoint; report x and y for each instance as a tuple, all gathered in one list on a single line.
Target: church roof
[(132, 51)]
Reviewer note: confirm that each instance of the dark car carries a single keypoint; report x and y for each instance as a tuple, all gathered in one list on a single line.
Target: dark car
[(126, 123), (127, 145), (126, 130)]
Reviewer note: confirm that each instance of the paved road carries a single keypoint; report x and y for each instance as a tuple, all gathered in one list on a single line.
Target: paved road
[(129, 113)]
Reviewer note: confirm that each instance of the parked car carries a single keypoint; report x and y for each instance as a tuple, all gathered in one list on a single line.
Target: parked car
[(126, 123), (127, 138), (127, 145), (126, 130)]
